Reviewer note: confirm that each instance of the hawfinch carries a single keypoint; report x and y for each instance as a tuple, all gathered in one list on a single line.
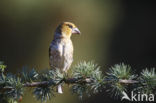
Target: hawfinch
[(61, 48)]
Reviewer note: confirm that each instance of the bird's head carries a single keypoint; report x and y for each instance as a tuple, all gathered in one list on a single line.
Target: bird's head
[(66, 29)]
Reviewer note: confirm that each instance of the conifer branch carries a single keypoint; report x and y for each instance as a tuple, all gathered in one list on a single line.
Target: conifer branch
[(86, 78)]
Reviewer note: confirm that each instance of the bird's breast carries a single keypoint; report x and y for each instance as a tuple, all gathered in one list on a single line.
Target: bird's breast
[(68, 48)]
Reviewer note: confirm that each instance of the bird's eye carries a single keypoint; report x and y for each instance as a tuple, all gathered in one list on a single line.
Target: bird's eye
[(70, 26)]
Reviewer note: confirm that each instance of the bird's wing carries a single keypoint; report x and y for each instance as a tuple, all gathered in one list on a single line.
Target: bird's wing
[(55, 56)]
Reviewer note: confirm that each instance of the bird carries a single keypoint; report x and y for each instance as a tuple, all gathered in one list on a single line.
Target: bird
[(61, 48)]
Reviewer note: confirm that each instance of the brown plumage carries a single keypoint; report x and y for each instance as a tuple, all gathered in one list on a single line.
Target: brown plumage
[(61, 48)]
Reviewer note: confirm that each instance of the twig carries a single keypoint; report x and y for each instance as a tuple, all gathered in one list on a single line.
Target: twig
[(124, 81), (36, 84), (67, 81)]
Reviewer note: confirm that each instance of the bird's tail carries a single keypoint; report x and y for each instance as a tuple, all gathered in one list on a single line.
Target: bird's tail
[(59, 89)]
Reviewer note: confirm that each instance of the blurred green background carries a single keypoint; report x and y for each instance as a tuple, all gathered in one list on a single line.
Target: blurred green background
[(113, 31)]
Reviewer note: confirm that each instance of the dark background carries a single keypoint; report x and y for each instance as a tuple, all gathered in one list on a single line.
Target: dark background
[(113, 31)]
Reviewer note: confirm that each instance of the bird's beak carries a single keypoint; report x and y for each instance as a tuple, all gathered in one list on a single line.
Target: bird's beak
[(76, 31)]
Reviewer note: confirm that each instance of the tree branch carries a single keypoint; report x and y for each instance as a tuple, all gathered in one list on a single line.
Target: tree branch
[(85, 77), (36, 84), (124, 81)]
